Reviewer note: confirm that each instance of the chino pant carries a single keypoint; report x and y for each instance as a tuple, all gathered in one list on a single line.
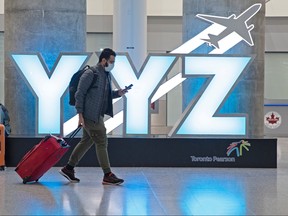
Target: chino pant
[(92, 133)]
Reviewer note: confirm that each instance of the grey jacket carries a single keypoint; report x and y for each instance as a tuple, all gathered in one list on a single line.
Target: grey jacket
[(89, 100)]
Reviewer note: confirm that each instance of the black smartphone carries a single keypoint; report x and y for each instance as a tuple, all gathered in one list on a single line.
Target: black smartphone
[(128, 87)]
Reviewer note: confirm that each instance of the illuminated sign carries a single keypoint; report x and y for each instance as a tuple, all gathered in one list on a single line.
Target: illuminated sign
[(48, 87), (199, 118)]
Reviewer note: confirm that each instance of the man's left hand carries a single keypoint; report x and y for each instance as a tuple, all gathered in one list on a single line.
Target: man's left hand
[(121, 92)]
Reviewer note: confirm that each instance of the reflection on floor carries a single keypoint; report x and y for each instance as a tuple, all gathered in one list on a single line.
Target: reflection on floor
[(152, 191)]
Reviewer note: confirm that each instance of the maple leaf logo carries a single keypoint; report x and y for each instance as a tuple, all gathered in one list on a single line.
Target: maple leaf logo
[(272, 120)]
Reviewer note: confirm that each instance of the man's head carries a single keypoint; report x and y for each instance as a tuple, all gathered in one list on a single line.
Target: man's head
[(107, 59)]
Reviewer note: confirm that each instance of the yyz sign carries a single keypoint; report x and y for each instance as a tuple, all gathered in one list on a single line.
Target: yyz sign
[(199, 118)]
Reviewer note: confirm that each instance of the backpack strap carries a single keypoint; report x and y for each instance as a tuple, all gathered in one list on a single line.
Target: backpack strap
[(86, 67), (95, 76)]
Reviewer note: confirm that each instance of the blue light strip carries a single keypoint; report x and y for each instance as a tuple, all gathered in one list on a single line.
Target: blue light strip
[(279, 105)]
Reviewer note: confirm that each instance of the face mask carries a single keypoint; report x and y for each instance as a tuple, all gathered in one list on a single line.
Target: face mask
[(109, 67)]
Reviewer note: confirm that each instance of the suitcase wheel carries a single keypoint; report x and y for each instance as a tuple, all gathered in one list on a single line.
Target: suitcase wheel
[(25, 180)]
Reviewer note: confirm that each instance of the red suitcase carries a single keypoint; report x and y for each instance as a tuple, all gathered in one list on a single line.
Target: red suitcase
[(42, 157)]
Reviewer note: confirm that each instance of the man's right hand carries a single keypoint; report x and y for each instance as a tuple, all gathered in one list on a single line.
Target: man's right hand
[(81, 120)]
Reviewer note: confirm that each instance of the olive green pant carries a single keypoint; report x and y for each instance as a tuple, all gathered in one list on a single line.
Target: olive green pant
[(92, 133)]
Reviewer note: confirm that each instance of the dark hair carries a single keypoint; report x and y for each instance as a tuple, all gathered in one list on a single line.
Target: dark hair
[(106, 53)]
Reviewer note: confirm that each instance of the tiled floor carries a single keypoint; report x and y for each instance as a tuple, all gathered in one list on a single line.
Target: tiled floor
[(152, 191)]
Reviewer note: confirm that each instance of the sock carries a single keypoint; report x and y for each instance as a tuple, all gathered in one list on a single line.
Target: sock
[(107, 174), (69, 167)]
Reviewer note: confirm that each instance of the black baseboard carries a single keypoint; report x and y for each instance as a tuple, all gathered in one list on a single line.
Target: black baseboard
[(165, 152)]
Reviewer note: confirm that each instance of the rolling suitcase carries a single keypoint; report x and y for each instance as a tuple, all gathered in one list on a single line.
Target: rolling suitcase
[(42, 157)]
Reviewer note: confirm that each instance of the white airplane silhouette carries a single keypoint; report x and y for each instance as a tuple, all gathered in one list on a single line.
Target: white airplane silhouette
[(232, 24)]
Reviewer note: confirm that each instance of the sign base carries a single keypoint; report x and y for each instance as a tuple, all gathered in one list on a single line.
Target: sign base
[(166, 152)]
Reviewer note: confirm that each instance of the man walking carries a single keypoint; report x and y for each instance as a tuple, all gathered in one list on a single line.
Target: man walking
[(91, 104)]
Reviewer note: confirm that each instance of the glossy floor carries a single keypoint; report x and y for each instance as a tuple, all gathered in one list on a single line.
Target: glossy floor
[(152, 191)]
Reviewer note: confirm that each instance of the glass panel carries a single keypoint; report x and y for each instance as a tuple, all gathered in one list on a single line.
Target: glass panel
[(276, 76)]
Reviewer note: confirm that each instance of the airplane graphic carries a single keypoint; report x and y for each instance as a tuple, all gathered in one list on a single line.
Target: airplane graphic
[(232, 24)]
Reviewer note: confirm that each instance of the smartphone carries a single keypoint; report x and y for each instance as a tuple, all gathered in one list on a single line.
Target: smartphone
[(128, 87)]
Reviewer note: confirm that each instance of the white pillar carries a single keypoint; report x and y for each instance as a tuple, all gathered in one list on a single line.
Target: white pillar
[(130, 29)]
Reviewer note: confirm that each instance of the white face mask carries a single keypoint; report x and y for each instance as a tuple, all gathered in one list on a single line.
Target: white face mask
[(109, 67)]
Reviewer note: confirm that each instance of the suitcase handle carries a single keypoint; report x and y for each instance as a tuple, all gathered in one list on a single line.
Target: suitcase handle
[(73, 134)]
